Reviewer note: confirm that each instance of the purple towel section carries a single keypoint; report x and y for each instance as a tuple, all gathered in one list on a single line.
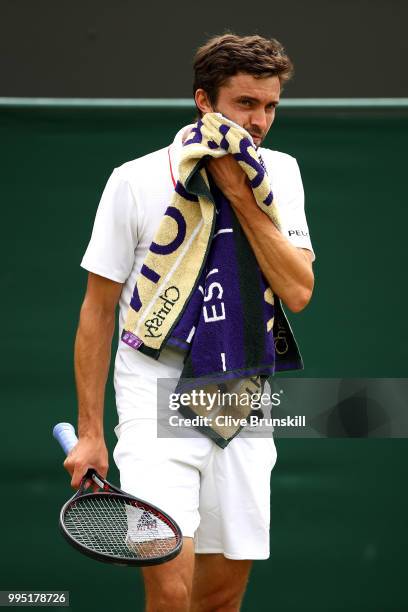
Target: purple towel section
[(197, 136), (213, 320)]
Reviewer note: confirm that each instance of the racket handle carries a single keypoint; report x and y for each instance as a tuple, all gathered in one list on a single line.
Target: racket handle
[(64, 433)]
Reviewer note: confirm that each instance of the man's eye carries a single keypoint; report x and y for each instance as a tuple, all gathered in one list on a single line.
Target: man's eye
[(246, 102)]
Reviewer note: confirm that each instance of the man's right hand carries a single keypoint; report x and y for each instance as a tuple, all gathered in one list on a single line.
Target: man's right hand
[(88, 453)]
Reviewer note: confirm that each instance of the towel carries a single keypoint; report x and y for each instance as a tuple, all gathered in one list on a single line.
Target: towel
[(200, 287)]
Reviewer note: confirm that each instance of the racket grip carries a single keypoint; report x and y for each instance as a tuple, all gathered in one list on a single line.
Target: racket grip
[(64, 433)]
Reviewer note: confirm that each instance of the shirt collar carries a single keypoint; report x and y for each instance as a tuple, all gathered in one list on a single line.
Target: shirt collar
[(176, 148)]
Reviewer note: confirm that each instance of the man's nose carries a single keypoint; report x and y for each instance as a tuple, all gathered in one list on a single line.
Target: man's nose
[(259, 120)]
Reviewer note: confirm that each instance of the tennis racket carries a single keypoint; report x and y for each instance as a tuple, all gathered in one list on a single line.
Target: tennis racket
[(112, 526)]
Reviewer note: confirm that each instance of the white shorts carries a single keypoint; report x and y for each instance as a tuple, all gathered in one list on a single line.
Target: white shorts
[(219, 497)]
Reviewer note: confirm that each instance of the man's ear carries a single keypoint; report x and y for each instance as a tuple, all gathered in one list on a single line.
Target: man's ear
[(202, 101)]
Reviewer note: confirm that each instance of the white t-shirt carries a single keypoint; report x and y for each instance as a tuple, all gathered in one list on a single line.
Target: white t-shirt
[(130, 210)]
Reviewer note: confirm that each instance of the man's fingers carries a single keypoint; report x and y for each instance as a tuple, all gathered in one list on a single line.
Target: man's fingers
[(83, 457), (68, 465), (103, 469), (79, 473), (75, 469)]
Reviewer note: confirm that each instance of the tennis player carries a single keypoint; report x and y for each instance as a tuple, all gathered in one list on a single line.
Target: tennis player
[(220, 497)]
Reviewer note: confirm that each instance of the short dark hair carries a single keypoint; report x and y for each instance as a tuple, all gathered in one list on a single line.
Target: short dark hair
[(224, 56)]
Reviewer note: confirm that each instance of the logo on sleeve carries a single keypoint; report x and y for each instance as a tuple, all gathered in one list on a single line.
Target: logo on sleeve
[(297, 233)]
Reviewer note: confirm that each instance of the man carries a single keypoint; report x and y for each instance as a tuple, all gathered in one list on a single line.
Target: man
[(219, 497)]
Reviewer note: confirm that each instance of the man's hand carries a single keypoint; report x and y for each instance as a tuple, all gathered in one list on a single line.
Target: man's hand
[(287, 269), (88, 453)]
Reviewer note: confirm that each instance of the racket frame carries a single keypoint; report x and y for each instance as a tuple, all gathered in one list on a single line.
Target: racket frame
[(109, 490)]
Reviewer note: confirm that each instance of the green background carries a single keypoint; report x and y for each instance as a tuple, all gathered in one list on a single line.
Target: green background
[(339, 507)]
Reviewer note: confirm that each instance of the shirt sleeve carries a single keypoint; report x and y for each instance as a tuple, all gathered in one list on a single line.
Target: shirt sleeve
[(294, 224), (111, 249)]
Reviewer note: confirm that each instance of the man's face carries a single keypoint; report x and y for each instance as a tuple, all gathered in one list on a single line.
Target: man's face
[(248, 101)]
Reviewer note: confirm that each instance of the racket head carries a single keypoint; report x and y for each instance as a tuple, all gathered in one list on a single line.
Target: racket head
[(114, 527)]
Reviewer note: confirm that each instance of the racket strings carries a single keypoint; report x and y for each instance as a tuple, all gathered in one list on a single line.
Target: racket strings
[(114, 526)]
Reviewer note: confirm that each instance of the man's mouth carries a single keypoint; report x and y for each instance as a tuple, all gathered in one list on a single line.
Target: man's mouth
[(257, 139)]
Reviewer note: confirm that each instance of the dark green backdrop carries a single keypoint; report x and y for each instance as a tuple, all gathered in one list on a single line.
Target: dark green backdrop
[(339, 507)]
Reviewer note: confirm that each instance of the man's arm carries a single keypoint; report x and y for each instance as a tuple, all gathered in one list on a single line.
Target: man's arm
[(91, 359), (287, 269)]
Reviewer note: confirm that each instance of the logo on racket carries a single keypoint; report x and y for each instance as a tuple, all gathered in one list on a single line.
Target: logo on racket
[(146, 521)]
